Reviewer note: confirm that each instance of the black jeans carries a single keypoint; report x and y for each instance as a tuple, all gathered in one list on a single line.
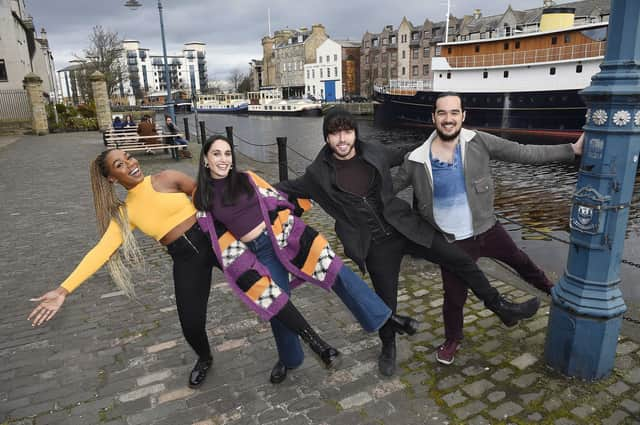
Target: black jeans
[(383, 263), (193, 261)]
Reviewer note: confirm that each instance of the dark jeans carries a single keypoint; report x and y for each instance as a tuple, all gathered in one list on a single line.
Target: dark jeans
[(193, 261), (383, 263), (494, 243)]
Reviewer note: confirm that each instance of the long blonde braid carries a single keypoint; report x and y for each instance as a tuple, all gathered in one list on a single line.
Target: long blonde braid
[(108, 206)]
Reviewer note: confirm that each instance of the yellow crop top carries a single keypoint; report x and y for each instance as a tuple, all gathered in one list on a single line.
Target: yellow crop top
[(154, 213)]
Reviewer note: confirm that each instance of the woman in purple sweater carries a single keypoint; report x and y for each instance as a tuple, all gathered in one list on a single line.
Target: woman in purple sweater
[(259, 242)]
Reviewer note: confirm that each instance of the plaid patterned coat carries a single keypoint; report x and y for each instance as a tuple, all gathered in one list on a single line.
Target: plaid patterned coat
[(304, 252)]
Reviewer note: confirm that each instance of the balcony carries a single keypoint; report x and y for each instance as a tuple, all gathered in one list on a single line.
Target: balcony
[(577, 51)]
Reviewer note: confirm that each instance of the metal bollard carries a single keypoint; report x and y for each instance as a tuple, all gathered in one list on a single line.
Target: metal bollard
[(203, 132), (283, 171), (186, 128)]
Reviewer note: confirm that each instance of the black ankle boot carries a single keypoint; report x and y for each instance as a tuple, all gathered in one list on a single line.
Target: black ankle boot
[(199, 372), (403, 324), (328, 354), (510, 313), (278, 373), (387, 359)]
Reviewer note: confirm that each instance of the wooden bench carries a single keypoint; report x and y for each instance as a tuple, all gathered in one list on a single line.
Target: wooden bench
[(128, 140)]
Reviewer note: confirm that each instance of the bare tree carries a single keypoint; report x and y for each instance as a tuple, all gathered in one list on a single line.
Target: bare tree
[(236, 78), (104, 54)]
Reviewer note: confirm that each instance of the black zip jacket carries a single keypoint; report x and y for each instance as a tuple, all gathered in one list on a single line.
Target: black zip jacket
[(354, 220)]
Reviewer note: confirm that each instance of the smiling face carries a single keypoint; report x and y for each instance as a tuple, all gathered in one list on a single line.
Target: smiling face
[(123, 168), (342, 143), (448, 117), (219, 158)]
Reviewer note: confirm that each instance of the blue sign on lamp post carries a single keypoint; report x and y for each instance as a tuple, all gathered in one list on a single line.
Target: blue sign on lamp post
[(587, 305), (134, 4)]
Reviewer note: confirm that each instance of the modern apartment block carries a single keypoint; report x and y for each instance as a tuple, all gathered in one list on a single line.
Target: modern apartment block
[(404, 54), (146, 75), (335, 73), (22, 51), (284, 56)]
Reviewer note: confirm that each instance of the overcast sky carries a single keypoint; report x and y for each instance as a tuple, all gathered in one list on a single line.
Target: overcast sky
[(232, 29)]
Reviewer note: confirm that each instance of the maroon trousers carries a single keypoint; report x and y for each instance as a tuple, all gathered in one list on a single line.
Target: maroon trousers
[(494, 243)]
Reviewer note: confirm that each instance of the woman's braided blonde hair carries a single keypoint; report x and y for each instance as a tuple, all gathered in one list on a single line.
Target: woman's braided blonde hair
[(109, 207)]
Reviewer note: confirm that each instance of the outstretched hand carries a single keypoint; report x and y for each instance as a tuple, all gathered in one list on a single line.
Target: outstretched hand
[(49, 305), (578, 145)]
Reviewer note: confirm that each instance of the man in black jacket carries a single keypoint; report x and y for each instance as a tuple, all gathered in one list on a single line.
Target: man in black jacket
[(351, 181)]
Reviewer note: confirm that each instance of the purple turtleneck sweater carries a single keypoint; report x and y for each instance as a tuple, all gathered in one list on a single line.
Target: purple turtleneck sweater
[(241, 217)]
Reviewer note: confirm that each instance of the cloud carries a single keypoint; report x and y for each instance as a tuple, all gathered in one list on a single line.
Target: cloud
[(232, 29)]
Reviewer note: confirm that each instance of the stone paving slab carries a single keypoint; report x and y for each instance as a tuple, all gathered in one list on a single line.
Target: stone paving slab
[(105, 359)]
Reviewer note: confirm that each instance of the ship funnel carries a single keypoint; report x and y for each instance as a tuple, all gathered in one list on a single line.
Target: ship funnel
[(557, 18)]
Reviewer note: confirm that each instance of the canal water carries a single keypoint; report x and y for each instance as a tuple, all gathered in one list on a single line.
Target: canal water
[(529, 199)]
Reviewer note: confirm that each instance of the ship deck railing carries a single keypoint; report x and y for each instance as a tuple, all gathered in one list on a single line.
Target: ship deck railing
[(551, 54), (404, 87)]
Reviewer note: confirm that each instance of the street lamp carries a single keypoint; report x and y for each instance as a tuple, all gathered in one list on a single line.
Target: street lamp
[(134, 4)]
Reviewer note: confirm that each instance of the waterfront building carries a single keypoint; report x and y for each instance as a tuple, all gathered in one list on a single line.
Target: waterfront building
[(255, 74), (334, 74), (145, 71), (284, 56), (22, 51), (73, 83)]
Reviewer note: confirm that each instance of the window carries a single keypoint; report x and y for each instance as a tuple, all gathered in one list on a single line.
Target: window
[(374, 42), (552, 70), (308, 74), (313, 75), (328, 72), (404, 55), (328, 58), (320, 72), (394, 56), (506, 46), (415, 36), (392, 39), (366, 60), (567, 38), (505, 74), (579, 68), (403, 38), (425, 69), (415, 53), (335, 71), (403, 71), (438, 49), (477, 48), (448, 49), (517, 44), (414, 70), (485, 74), (448, 75), (335, 57), (319, 59), (425, 52), (3, 71), (554, 40)]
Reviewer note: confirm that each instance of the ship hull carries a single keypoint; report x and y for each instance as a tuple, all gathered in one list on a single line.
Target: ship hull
[(555, 115)]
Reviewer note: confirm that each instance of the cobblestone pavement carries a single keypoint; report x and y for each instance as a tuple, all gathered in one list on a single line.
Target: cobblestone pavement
[(105, 359)]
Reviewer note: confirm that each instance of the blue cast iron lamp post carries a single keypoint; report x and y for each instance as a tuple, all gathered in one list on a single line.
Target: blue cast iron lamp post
[(134, 4), (587, 308)]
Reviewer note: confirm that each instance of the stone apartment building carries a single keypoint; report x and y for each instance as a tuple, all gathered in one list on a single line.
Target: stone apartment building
[(22, 51), (284, 56), (405, 54)]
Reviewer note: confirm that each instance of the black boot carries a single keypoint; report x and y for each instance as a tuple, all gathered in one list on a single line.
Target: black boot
[(510, 313), (403, 324), (387, 358), (278, 373), (327, 353), (199, 372)]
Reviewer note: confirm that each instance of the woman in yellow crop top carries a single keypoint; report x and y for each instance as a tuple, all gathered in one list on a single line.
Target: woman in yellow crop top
[(158, 205)]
